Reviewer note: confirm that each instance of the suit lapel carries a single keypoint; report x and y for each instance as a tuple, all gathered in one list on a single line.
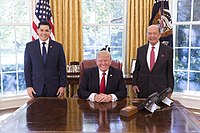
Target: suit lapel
[(144, 61), (96, 79), (38, 50), (109, 79), (50, 48), (161, 54)]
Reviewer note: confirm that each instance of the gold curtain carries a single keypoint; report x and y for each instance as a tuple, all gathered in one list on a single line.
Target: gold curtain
[(138, 17), (67, 18)]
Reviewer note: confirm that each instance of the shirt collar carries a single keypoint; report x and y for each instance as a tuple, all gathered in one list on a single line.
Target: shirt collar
[(101, 73), (156, 46), (47, 41)]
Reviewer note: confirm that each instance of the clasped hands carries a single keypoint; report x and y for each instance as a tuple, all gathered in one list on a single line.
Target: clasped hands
[(102, 97)]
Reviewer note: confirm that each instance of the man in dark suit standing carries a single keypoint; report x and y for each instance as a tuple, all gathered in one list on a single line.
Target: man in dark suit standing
[(44, 65), (154, 65), (103, 83)]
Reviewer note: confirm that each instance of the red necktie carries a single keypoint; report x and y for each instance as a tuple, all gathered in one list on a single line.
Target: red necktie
[(102, 85), (152, 58)]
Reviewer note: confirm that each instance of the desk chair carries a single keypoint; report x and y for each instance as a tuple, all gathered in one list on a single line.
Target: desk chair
[(92, 63)]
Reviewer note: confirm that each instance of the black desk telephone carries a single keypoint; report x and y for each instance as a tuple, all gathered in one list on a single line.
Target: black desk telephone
[(155, 98), (149, 101), (163, 94)]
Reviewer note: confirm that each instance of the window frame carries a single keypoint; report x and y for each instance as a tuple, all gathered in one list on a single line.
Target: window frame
[(173, 6), (110, 25)]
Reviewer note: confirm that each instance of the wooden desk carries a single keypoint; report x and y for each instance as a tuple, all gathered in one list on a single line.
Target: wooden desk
[(128, 79), (76, 115), (73, 79)]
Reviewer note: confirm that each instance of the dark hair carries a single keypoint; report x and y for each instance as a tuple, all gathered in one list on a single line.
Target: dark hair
[(44, 23)]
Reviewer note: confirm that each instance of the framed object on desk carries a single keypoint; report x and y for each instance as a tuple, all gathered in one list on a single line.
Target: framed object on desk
[(133, 65)]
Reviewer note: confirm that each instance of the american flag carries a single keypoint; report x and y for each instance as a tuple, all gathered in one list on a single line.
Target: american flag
[(161, 16), (42, 12)]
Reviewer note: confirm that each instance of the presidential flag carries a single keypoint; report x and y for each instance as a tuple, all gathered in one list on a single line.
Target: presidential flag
[(161, 17), (42, 13)]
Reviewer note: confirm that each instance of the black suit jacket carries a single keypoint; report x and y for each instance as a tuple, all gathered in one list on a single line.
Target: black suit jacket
[(90, 83), (52, 74), (161, 75)]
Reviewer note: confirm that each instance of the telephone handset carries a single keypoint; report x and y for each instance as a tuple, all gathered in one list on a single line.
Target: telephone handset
[(163, 94), (149, 101)]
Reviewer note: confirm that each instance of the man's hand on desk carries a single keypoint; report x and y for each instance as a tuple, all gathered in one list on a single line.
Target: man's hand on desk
[(169, 95), (102, 98), (135, 89), (30, 92), (60, 92)]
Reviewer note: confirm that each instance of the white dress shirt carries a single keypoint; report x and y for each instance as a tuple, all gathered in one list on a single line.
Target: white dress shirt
[(156, 49), (46, 45), (91, 97)]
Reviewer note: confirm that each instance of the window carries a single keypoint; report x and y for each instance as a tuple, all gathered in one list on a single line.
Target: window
[(103, 24), (187, 46), (15, 32)]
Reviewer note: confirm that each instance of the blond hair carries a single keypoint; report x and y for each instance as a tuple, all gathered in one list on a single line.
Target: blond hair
[(103, 53)]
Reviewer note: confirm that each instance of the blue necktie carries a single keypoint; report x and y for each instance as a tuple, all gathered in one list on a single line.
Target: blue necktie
[(44, 53)]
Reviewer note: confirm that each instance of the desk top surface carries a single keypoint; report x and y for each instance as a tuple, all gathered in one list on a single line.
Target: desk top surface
[(76, 115)]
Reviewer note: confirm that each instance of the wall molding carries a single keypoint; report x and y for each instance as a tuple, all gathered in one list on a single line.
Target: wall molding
[(187, 100), (13, 101)]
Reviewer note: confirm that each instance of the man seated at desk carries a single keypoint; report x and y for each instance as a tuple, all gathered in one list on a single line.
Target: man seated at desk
[(103, 83)]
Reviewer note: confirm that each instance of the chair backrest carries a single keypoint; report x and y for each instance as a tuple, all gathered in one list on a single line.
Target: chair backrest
[(92, 63)]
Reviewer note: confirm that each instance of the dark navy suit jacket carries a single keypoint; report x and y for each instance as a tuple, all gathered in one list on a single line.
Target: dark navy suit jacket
[(161, 75), (90, 83), (52, 74)]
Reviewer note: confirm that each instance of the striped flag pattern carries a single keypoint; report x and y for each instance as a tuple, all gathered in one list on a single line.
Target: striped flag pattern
[(42, 13)]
